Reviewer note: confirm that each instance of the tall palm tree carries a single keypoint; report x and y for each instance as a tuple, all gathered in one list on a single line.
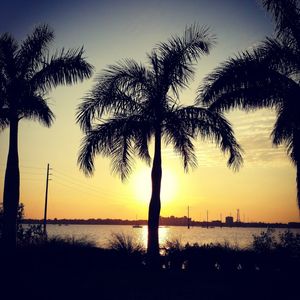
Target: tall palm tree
[(132, 103), (27, 73), (268, 76)]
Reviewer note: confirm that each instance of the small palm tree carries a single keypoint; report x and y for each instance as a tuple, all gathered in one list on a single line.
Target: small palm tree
[(27, 73), (268, 76), (131, 103)]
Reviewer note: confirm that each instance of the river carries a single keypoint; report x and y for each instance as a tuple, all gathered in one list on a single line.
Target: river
[(102, 234)]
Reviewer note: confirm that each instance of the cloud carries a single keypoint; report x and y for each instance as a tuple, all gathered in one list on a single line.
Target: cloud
[(252, 130)]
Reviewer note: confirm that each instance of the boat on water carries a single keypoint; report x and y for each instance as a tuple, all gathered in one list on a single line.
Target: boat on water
[(137, 226)]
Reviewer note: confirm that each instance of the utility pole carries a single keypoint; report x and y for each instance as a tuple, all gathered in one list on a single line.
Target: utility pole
[(46, 199)]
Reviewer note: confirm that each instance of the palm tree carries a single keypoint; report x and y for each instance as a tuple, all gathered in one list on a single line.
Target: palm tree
[(27, 73), (132, 103), (268, 76)]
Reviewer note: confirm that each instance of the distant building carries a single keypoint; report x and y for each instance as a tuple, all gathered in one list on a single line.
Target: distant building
[(294, 224), (216, 223), (229, 220)]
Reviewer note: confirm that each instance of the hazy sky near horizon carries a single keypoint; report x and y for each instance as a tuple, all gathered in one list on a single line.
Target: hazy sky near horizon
[(264, 189)]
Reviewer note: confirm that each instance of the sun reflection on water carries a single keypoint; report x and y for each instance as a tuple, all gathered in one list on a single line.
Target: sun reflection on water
[(163, 235)]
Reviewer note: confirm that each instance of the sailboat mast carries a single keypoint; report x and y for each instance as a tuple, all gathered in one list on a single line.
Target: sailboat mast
[(188, 220), (207, 219)]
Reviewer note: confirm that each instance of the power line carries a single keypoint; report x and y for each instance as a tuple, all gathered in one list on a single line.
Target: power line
[(70, 186), (31, 179), (25, 167), (72, 180), (32, 173), (29, 167), (63, 178), (94, 194)]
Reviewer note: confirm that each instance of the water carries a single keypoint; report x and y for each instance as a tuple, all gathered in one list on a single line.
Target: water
[(102, 234)]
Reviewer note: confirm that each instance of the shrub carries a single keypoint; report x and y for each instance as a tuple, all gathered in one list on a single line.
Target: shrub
[(265, 241), (26, 234), (68, 242), (128, 253), (125, 244), (30, 234), (289, 242), (173, 251)]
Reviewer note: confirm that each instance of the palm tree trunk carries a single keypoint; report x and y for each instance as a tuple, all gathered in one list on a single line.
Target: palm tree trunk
[(154, 206), (11, 189), (298, 183)]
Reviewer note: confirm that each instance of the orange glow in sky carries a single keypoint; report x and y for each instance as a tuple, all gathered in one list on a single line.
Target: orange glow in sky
[(263, 190)]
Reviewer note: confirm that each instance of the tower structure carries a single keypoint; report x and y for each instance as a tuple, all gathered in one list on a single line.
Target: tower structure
[(238, 219)]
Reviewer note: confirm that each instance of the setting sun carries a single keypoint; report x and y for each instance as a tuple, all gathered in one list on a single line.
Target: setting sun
[(141, 185)]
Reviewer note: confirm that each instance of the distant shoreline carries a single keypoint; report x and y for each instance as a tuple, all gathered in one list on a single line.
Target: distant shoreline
[(172, 221)]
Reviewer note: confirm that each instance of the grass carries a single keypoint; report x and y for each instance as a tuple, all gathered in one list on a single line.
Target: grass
[(70, 268)]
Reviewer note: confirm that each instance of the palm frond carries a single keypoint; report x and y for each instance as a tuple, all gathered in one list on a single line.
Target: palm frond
[(122, 156), (283, 130), (286, 130), (63, 68), (8, 50), (4, 118), (141, 142), (212, 126), (96, 141), (178, 55), (126, 75), (119, 138), (94, 106), (294, 150), (286, 14), (280, 57), (298, 184), (120, 89), (35, 108), (246, 81), (224, 134), (178, 134), (33, 49)]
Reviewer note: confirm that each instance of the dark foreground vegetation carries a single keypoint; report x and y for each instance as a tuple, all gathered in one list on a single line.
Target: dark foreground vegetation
[(59, 268)]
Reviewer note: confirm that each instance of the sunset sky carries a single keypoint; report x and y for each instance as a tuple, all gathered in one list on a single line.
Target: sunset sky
[(265, 187)]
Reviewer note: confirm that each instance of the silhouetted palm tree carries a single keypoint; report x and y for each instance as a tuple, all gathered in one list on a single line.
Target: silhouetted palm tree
[(27, 73), (268, 76), (132, 103)]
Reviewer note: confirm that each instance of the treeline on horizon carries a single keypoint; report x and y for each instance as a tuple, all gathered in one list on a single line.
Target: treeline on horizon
[(164, 221)]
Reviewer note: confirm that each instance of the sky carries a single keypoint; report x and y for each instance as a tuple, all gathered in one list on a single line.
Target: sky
[(263, 190)]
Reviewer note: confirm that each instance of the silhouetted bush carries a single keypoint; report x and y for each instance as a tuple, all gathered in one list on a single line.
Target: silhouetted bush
[(27, 234), (265, 241), (290, 243), (127, 252), (277, 252), (67, 242), (125, 244), (173, 253), (269, 252)]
